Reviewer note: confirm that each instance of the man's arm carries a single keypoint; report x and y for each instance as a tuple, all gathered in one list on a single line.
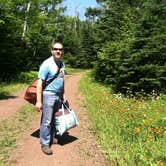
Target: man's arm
[(39, 95)]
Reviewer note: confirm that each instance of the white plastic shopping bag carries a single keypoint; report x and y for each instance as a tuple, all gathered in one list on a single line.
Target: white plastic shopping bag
[(65, 119)]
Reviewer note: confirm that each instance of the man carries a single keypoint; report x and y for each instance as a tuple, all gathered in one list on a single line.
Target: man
[(48, 98)]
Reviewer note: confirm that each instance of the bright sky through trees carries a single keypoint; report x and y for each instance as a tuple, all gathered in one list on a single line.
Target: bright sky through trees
[(78, 6)]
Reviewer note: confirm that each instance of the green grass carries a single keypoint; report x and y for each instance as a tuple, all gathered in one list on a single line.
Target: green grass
[(72, 70), (8, 89), (11, 131), (130, 131)]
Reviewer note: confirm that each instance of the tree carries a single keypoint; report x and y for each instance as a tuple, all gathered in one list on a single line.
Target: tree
[(26, 29), (92, 13), (147, 63), (129, 37), (9, 46)]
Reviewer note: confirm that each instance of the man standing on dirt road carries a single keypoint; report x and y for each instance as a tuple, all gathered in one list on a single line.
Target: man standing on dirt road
[(48, 99)]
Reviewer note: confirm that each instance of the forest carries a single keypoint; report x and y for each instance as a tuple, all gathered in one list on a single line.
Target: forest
[(122, 41)]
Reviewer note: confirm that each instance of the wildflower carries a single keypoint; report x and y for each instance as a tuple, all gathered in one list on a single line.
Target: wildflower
[(137, 130), (144, 139), (114, 100), (160, 163), (121, 110), (157, 131), (149, 130), (102, 111), (105, 94), (118, 96), (164, 128), (150, 137), (144, 115), (164, 134)]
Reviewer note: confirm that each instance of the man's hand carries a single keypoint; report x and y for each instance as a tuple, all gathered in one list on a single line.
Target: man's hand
[(38, 106)]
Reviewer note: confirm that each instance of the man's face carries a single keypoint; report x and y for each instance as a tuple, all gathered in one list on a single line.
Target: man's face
[(57, 51)]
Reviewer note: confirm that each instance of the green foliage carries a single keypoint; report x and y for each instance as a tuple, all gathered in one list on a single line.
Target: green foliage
[(148, 57), (28, 29), (26, 34), (7, 89), (9, 46), (132, 54), (131, 132), (69, 70), (78, 43), (122, 40), (27, 77)]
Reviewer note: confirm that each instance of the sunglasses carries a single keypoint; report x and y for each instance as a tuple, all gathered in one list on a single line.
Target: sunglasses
[(56, 49)]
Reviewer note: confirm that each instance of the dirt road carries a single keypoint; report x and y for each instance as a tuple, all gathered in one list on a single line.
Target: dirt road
[(78, 148)]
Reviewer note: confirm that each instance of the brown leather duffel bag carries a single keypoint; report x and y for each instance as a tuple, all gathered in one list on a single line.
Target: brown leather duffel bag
[(30, 93)]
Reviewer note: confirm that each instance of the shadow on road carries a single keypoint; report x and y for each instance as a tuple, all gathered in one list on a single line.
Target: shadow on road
[(5, 96), (36, 133), (66, 139), (63, 140)]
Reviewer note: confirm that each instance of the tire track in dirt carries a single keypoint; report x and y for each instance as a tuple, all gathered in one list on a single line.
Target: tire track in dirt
[(78, 148)]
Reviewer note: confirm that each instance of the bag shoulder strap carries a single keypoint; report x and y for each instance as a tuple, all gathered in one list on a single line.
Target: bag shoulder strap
[(56, 75)]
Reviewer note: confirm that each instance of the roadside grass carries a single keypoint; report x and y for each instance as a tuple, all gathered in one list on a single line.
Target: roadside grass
[(11, 131), (8, 89), (73, 70), (131, 132)]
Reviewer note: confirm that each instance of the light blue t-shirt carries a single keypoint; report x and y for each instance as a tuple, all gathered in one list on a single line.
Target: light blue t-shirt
[(48, 70)]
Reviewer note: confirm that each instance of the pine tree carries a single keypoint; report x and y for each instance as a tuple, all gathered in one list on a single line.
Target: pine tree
[(133, 50), (146, 66)]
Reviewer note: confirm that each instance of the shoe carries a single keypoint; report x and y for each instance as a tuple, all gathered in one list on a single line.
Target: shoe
[(46, 150), (54, 141)]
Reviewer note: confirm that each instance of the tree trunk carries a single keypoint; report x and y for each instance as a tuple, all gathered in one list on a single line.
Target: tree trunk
[(25, 21)]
